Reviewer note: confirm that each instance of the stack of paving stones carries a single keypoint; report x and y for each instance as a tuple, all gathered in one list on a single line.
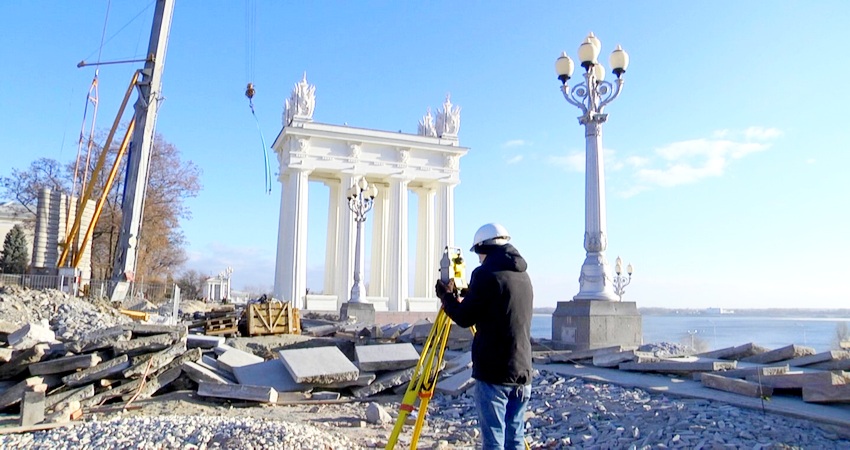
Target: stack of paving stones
[(748, 370)]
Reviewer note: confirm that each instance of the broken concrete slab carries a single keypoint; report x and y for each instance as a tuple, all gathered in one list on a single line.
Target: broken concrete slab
[(6, 354), (325, 395), (826, 393), (20, 361), (65, 414), (66, 364), (836, 364), (682, 365), (744, 372), (386, 381), (833, 355), (567, 356), (456, 384), (458, 363), (193, 355), (736, 353), (321, 365), (154, 384), (31, 334), (373, 358), (32, 409), (156, 361), (615, 359), (14, 394), (238, 392), (148, 329), (102, 370), (780, 354), (236, 358), (145, 344), (201, 374), (270, 373), (798, 380), (364, 379), (735, 385), (203, 341), (59, 400), (99, 340)]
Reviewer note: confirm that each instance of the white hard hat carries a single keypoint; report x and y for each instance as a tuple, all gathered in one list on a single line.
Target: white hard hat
[(490, 234)]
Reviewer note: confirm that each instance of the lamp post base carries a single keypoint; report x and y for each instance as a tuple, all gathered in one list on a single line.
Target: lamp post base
[(589, 324), (363, 313)]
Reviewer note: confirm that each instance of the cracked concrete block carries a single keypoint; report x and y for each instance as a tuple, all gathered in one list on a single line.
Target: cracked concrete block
[(270, 373), (386, 357), (320, 365)]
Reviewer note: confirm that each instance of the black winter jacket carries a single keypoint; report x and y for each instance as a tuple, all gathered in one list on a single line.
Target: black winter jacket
[(499, 304)]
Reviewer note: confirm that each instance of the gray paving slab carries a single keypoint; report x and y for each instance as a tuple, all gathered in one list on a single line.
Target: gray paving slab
[(238, 391), (199, 373), (457, 383), (32, 409), (269, 373), (236, 358), (204, 341), (373, 358), (386, 381), (661, 384), (320, 365), (67, 364), (100, 371)]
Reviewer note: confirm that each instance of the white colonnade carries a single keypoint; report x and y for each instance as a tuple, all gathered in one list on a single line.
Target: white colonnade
[(398, 164)]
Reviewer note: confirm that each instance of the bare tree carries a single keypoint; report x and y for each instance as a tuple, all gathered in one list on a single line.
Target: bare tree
[(24, 185), (161, 242)]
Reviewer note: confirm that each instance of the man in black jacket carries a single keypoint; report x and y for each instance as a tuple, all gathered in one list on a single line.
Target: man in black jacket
[(499, 304)]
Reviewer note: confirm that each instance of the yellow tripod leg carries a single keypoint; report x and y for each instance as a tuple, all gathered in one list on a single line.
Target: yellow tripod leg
[(433, 372), (420, 375)]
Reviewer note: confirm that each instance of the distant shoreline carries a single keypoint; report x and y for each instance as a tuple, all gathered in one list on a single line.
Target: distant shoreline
[(838, 313)]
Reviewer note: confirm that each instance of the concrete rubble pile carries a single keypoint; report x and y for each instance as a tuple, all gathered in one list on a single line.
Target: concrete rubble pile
[(52, 372), (749, 369)]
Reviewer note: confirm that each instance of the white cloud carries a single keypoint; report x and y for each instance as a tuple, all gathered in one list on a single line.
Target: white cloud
[(516, 143), (514, 159), (811, 161), (762, 133)]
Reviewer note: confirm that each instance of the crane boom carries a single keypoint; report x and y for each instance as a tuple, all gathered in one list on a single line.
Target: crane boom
[(146, 107)]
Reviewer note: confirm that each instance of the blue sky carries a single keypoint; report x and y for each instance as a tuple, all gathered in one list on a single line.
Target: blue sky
[(725, 155)]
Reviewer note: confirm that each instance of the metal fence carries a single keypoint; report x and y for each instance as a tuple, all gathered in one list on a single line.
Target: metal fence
[(156, 293)]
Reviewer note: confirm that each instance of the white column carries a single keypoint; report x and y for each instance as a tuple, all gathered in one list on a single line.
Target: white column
[(291, 267), (445, 223), (397, 269), (380, 226), (331, 245), (426, 264), (345, 242), (594, 281)]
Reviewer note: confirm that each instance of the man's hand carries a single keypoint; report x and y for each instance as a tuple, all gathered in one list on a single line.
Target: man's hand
[(442, 289)]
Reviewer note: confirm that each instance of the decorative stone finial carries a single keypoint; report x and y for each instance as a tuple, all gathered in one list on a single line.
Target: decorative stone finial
[(426, 125), (301, 103), (448, 119)]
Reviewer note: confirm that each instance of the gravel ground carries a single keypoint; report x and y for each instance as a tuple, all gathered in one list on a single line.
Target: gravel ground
[(563, 413)]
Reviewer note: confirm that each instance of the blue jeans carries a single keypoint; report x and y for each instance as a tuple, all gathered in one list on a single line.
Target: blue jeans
[(501, 414)]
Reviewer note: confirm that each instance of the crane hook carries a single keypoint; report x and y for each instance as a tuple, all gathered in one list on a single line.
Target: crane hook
[(249, 91)]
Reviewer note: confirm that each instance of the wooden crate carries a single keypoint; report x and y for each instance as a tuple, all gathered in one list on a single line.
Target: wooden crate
[(222, 326), (272, 318)]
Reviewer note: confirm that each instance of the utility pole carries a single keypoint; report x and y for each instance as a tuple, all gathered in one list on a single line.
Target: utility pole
[(136, 182)]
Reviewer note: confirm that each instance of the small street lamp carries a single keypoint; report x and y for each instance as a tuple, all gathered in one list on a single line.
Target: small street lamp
[(361, 197), (591, 97), (620, 280)]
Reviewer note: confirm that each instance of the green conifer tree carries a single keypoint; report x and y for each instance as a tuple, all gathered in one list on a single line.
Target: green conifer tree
[(15, 256)]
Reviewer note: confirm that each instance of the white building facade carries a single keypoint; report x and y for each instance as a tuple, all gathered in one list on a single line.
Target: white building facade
[(426, 164)]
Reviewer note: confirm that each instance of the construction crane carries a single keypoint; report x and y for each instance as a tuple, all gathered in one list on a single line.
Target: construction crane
[(124, 267)]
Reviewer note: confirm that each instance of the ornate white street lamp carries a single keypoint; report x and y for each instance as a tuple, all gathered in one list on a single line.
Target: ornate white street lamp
[(591, 97), (361, 197), (620, 280)]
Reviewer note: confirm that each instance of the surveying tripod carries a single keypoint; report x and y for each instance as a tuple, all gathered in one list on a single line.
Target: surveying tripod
[(427, 370)]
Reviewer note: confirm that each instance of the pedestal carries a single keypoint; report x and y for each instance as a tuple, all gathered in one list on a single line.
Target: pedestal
[(589, 324), (363, 313)]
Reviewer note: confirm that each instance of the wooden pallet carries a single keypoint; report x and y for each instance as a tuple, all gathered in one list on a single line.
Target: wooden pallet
[(222, 326), (272, 318)]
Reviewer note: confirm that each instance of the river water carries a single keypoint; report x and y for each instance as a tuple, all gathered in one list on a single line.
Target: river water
[(728, 330)]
